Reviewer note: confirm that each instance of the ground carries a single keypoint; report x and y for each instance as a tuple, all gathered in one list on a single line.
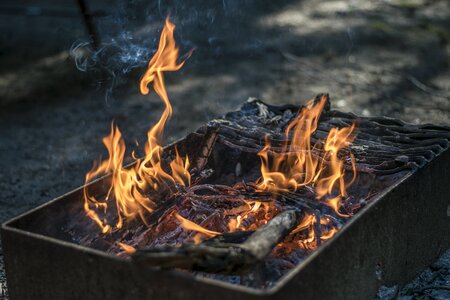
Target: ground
[(374, 58)]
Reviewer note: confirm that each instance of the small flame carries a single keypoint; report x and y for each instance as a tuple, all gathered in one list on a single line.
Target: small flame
[(127, 248), (189, 225), (329, 234), (243, 212), (306, 222), (131, 186)]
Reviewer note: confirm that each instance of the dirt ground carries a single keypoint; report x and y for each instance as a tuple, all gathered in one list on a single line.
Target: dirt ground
[(373, 57)]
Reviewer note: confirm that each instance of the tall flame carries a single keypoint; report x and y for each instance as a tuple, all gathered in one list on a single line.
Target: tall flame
[(299, 164), (333, 174), (130, 186), (295, 165), (164, 60)]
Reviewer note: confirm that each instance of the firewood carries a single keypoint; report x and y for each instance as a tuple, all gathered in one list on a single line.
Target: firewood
[(222, 257)]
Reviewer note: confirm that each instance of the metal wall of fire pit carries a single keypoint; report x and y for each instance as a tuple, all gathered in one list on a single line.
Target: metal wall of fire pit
[(389, 241)]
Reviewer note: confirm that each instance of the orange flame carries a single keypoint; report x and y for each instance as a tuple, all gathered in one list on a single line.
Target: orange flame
[(307, 221), (127, 248), (130, 186), (164, 60), (307, 224), (189, 225), (243, 212), (329, 234), (336, 140), (297, 165)]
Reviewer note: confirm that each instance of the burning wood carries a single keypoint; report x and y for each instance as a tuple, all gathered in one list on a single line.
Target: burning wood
[(237, 207), (223, 257)]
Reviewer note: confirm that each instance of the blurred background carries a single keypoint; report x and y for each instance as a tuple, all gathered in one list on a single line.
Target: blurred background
[(67, 69)]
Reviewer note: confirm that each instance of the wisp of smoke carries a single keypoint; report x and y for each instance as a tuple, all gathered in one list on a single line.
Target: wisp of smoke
[(118, 56)]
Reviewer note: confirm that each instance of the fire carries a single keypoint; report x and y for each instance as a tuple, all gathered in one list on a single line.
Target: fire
[(243, 212), (294, 166), (337, 139), (127, 248), (299, 163), (189, 225), (130, 187), (308, 235), (307, 221), (303, 160)]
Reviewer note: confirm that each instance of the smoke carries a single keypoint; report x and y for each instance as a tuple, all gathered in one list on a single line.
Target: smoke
[(114, 59), (130, 31), (117, 57)]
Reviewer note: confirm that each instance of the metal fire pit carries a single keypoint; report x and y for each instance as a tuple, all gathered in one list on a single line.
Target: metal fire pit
[(399, 233)]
